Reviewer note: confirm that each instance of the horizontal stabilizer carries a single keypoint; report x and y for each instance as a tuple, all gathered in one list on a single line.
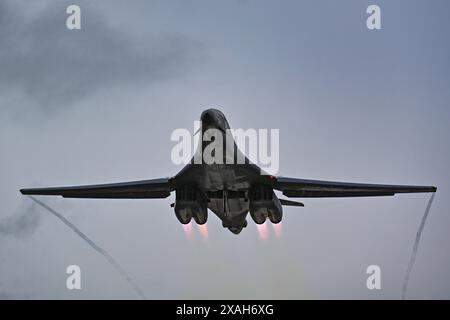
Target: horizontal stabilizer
[(291, 203)]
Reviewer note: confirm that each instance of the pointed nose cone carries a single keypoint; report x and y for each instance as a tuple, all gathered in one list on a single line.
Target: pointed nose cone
[(214, 118), (214, 113), (207, 117)]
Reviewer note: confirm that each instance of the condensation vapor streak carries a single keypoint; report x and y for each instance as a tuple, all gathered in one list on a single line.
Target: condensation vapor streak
[(103, 252), (416, 247)]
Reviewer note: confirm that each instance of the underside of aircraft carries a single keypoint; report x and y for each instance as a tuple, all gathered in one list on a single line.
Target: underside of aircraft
[(231, 191)]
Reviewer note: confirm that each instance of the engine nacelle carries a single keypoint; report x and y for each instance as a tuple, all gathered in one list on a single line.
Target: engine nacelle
[(191, 203), (264, 204)]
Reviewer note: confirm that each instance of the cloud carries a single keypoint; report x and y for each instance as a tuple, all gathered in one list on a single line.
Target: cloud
[(5, 296), (21, 224), (44, 61)]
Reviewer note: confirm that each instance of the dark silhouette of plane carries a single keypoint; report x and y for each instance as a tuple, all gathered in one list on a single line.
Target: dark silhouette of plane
[(228, 190)]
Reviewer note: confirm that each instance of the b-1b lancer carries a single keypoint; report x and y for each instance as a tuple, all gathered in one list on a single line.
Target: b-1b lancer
[(230, 190)]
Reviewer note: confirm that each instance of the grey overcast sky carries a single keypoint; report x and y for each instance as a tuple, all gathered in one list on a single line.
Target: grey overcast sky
[(99, 105)]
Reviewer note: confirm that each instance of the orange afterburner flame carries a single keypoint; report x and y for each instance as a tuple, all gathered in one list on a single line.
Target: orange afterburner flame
[(278, 229), (263, 231), (203, 229), (187, 228)]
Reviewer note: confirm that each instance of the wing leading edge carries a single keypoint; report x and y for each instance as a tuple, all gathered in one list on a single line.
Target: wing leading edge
[(303, 188), (291, 187), (144, 189)]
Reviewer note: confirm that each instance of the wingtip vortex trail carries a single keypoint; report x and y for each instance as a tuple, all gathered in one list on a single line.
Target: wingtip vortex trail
[(93, 245), (416, 246)]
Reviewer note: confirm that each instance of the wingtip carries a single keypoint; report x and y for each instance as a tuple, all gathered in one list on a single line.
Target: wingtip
[(26, 191)]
